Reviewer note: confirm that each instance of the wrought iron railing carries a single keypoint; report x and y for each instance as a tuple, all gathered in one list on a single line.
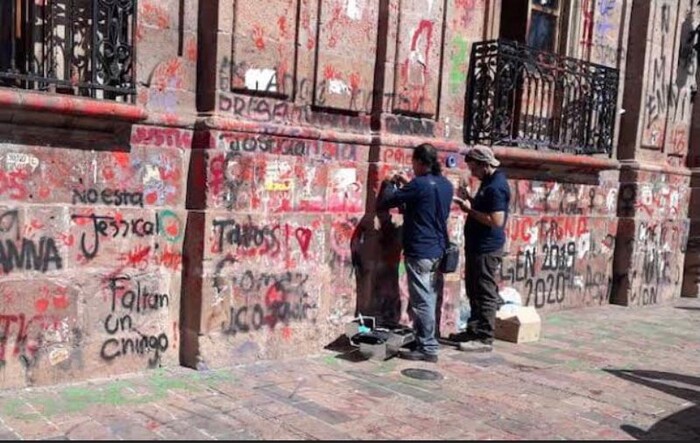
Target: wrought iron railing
[(80, 47), (520, 96)]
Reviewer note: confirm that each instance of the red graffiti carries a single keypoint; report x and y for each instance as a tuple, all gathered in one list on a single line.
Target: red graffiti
[(282, 25), (216, 173), (170, 258), (43, 322), (259, 37), (521, 228), (12, 184), (41, 305), (154, 15), (137, 258), (303, 236), (330, 73), (161, 137)]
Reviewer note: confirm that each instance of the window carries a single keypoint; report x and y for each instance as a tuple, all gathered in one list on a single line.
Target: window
[(78, 47), (536, 23), (543, 25)]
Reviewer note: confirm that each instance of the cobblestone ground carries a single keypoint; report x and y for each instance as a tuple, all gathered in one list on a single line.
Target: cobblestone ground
[(600, 373)]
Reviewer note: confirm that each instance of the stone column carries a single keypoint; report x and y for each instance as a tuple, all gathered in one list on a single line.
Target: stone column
[(654, 134)]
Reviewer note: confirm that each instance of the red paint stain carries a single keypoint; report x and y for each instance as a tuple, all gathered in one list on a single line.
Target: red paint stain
[(191, 50), (259, 37), (41, 305), (153, 15), (282, 25), (137, 257), (14, 182), (108, 173), (330, 73), (171, 259), (121, 158), (44, 192), (287, 333), (355, 81), (173, 229), (60, 301), (151, 198)]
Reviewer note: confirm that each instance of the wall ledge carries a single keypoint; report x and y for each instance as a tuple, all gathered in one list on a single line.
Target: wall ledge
[(32, 101), (235, 125), (635, 165), (540, 159)]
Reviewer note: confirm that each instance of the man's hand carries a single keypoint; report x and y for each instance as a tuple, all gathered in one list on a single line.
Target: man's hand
[(463, 190), (464, 205), (400, 178)]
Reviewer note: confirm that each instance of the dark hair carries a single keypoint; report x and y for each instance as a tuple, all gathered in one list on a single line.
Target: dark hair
[(426, 154)]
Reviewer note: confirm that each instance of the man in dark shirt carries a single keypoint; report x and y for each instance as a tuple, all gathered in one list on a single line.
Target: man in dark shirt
[(487, 213), (426, 204)]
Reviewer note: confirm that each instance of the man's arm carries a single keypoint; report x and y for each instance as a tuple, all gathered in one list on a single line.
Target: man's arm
[(393, 197), (492, 219)]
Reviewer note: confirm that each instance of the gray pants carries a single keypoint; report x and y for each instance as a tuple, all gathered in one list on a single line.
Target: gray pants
[(424, 290)]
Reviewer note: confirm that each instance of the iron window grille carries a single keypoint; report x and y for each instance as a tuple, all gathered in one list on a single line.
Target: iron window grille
[(79, 47), (523, 97)]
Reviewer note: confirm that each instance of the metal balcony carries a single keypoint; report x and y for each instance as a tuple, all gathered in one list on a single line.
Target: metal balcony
[(78, 47), (522, 97)]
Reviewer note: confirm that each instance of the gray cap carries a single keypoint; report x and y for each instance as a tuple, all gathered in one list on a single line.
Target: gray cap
[(482, 154)]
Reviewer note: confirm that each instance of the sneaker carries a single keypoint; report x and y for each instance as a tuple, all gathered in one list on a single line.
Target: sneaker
[(476, 346), (418, 356), (462, 336)]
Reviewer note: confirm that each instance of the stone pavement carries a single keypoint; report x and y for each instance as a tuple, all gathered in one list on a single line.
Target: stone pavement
[(600, 373)]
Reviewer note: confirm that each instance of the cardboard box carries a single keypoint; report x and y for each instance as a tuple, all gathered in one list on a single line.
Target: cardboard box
[(523, 326)]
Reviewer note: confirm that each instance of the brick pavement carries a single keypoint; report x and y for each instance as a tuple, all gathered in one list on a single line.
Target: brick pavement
[(601, 373)]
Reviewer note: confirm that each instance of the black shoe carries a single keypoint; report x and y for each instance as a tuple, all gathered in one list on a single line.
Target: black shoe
[(463, 336), (418, 356)]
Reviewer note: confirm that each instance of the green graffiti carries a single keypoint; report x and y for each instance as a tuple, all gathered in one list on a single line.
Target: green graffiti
[(170, 225), (76, 399), (458, 73)]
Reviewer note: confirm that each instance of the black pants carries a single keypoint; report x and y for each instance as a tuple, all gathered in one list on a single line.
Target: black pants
[(482, 290)]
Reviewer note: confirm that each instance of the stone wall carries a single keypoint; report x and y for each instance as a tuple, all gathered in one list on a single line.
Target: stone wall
[(228, 214)]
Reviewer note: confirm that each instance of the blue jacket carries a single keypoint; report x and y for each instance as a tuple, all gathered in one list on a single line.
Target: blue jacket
[(425, 216)]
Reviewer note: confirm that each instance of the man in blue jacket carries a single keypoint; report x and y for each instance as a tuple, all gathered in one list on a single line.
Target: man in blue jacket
[(426, 202)]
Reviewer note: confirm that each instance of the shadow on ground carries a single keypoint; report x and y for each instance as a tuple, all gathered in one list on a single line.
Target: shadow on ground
[(683, 425), (688, 308)]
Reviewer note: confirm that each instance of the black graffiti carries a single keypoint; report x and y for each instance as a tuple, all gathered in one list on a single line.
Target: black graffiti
[(648, 295), (549, 290), (657, 98), (143, 344), (263, 109), (247, 235), (107, 226), (28, 255), (132, 301), (135, 301), (409, 125), (524, 268), (289, 282), (253, 318), (109, 197), (657, 268), (271, 145), (559, 257), (598, 284)]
